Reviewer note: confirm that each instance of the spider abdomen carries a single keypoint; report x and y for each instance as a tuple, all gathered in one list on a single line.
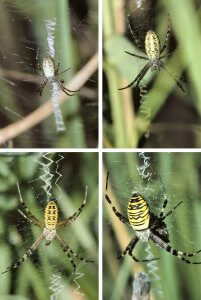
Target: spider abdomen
[(152, 45), (51, 215), (138, 212), (48, 67)]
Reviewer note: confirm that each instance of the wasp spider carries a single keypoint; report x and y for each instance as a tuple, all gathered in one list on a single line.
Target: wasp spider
[(148, 226), (154, 55), (49, 226), (51, 74)]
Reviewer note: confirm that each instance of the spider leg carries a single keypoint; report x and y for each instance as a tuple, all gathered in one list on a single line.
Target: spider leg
[(158, 241), (162, 216), (173, 75), (167, 36), (57, 69), (107, 198), (70, 252), (37, 60), (75, 215), (40, 90), (171, 211), (138, 56), (165, 199), (138, 77), (26, 255), (64, 71), (129, 249), (137, 41), (65, 90), (28, 215), (166, 55), (70, 90)]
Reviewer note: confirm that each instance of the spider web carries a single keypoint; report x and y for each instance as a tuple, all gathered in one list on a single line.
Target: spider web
[(129, 173), (64, 34)]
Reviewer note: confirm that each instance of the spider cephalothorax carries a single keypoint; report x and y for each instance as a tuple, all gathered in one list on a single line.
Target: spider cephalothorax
[(154, 56), (49, 225), (148, 226)]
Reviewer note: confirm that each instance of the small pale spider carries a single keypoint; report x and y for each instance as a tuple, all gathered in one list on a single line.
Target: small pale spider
[(51, 74), (153, 51)]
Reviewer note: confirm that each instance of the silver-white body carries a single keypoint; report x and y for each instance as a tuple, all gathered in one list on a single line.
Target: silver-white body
[(48, 68)]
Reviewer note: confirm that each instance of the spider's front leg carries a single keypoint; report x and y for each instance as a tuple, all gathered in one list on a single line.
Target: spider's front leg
[(167, 37), (76, 214), (117, 213), (28, 215), (57, 69)]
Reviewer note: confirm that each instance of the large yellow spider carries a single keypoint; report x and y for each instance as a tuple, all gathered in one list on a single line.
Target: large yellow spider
[(153, 51), (49, 226)]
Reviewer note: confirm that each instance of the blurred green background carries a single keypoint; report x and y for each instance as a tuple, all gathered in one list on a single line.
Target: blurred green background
[(163, 116), (48, 274), (22, 33), (170, 277)]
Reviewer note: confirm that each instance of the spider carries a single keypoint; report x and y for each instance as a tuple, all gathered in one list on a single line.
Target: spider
[(49, 227), (154, 55), (147, 226), (51, 74)]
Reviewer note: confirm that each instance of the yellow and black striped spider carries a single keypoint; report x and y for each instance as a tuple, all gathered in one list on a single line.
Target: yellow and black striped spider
[(49, 226), (148, 226), (153, 53)]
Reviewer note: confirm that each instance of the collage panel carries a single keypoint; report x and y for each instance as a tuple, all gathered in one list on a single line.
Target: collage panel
[(49, 85), (151, 225), (41, 195), (151, 67)]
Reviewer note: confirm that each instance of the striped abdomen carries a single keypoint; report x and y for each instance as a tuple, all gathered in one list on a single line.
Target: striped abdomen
[(138, 212), (51, 215), (152, 45)]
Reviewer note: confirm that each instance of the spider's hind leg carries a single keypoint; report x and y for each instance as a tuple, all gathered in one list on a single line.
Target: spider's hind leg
[(130, 248), (65, 90), (174, 76), (70, 252), (138, 78), (70, 91), (26, 255), (158, 241)]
